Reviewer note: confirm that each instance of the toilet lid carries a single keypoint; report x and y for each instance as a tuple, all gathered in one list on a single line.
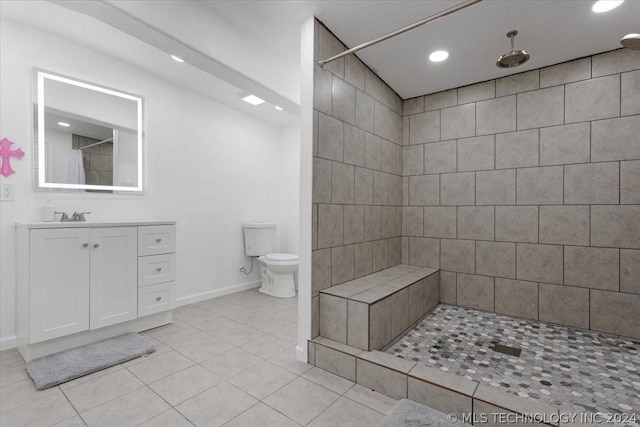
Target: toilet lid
[(282, 257)]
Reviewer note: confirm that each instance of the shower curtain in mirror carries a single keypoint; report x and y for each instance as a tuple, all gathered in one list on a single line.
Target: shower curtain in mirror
[(76, 173)]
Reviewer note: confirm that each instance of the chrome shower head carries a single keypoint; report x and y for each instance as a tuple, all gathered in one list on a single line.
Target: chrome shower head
[(631, 41), (513, 58)]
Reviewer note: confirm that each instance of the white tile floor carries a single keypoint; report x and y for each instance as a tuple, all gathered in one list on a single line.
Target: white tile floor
[(227, 361)]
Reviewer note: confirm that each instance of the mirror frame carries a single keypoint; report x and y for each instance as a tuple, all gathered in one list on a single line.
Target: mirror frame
[(40, 180)]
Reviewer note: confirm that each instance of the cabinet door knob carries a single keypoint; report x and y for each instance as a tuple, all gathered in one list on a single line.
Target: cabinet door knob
[(85, 245), (159, 269), (158, 298), (96, 245), (158, 240)]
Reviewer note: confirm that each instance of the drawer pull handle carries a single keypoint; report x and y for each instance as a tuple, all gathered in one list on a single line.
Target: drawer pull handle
[(96, 245), (158, 298), (85, 245), (158, 240), (159, 269)]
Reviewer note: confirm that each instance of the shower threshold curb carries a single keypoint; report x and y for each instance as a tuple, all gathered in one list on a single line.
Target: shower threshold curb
[(459, 397)]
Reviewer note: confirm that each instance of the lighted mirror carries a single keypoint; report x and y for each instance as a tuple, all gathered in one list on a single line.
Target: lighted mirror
[(88, 137)]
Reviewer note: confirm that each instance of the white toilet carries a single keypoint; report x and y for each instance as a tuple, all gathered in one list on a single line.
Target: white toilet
[(277, 268)]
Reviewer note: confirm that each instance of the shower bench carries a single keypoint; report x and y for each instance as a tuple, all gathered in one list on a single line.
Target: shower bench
[(369, 313)]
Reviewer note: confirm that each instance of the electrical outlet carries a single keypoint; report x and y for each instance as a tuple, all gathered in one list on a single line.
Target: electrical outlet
[(6, 193)]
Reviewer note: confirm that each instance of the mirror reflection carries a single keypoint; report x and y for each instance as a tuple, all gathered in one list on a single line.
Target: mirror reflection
[(91, 136)]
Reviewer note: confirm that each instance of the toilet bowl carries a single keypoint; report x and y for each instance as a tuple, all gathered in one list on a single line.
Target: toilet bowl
[(277, 274)]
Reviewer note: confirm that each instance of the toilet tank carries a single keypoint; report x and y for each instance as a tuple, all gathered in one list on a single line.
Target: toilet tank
[(259, 238)]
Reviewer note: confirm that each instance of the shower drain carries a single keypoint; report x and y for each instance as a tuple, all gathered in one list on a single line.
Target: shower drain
[(511, 351)]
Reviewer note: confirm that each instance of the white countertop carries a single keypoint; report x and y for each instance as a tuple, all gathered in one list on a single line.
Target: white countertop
[(89, 224)]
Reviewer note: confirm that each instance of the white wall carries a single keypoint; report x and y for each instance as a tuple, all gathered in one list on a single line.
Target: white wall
[(209, 167)]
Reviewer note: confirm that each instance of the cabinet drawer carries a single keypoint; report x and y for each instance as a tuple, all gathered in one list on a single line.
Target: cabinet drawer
[(155, 298), (156, 239), (156, 269)]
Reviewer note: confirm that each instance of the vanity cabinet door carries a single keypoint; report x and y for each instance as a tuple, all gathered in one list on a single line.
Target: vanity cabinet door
[(114, 275), (59, 275)]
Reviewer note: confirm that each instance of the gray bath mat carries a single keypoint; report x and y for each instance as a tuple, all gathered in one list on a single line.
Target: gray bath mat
[(57, 368), (407, 413)]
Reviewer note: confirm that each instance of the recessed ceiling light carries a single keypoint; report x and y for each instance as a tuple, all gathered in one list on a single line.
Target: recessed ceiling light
[(253, 100), (63, 124), (278, 108), (178, 59), (605, 5), (438, 56)]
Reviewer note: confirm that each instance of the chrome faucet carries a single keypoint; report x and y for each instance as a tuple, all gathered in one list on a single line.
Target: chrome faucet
[(78, 216), (65, 217)]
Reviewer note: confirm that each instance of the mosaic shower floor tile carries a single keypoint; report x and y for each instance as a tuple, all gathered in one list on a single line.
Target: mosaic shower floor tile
[(576, 371)]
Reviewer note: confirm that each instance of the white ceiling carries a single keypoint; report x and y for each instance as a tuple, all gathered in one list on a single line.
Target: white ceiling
[(552, 31)]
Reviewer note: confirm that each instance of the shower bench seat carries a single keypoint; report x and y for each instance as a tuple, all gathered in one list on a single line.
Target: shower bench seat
[(369, 313)]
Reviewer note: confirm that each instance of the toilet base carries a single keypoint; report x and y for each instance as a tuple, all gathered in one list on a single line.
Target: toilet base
[(277, 285)]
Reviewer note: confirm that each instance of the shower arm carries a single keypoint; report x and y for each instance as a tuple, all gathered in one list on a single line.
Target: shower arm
[(456, 8)]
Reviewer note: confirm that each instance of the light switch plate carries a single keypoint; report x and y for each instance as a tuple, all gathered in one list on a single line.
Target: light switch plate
[(7, 193)]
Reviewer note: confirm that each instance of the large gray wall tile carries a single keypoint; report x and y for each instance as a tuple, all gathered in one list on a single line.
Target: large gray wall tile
[(353, 145), (476, 222), (330, 138), (615, 226), (458, 188), (477, 92), (424, 190), (382, 380), (342, 264), (496, 259), (354, 71), (616, 61), (517, 149), (329, 45), (448, 287), (388, 157), (436, 101), (594, 183), (380, 324), (424, 252), (344, 101), (336, 362), (592, 99), (395, 251), (363, 259), (380, 254), (322, 87), (517, 298), (412, 160), (516, 83), (381, 120), (561, 145), (476, 292), (353, 224), (363, 186), (439, 398), (496, 115), (496, 187), (539, 263), (517, 223), (321, 270), (387, 222), (567, 72), (540, 186), (440, 157), (630, 102), (364, 111), (565, 305), (458, 122), (457, 255), (440, 221), (630, 271), (539, 108), (596, 268), (342, 183), (424, 127), (412, 221), (321, 180), (624, 320), (333, 318), (564, 225), (615, 139), (413, 106), (372, 222), (330, 225), (476, 153), (395, 127), (380, 188), (630, 182)]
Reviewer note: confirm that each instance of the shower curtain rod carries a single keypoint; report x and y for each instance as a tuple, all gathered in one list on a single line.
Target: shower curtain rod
[(95, 143), (400, 31)]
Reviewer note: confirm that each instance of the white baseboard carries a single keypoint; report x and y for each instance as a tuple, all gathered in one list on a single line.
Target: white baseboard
[(8, 343), (217, 293)]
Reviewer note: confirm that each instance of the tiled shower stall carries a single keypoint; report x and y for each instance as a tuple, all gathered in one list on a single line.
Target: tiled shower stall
[(524, 191)]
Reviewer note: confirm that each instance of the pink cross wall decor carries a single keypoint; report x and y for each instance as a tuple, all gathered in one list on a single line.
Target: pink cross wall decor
[(6, 152)]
